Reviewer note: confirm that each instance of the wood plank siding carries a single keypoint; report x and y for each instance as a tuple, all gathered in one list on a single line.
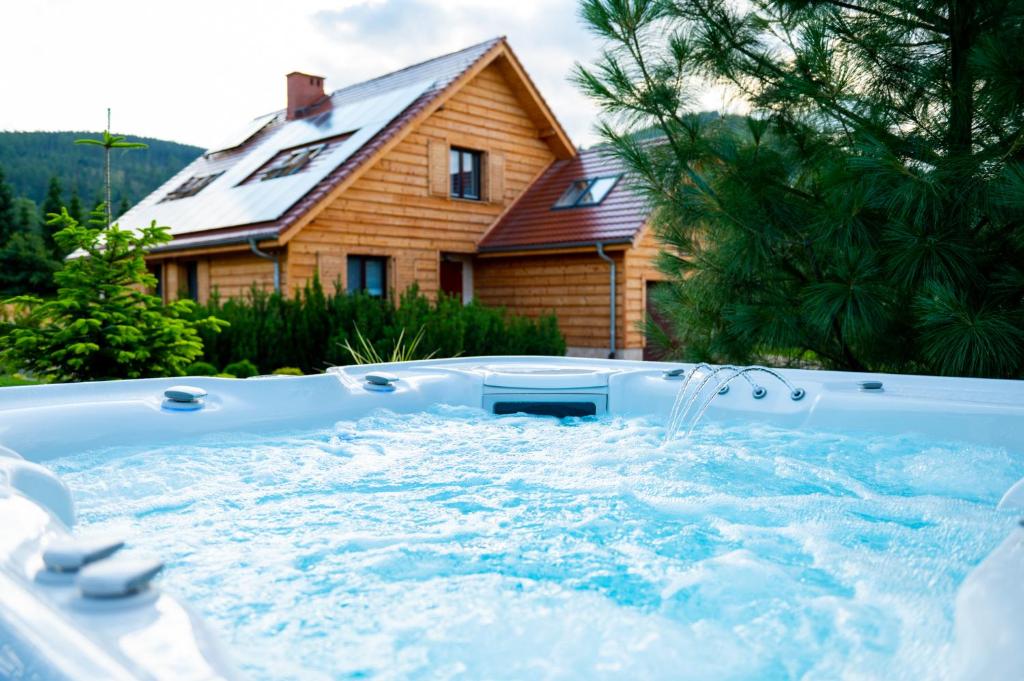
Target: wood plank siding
[(231, 275), (640, 269), (394, 210), (574, 286), (234, 275)]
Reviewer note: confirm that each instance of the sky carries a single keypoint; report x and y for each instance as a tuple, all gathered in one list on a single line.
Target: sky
[(194, 71)]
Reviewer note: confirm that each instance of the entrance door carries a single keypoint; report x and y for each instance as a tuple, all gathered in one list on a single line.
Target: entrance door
[(451, 277)]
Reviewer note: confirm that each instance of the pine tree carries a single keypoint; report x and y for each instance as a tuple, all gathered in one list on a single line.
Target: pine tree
[(869, 215)]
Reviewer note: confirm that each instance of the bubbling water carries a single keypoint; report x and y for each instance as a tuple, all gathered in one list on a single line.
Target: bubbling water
[(455, 544)]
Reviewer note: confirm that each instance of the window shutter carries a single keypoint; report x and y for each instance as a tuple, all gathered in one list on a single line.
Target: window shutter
[(494, 176), (437, 168)]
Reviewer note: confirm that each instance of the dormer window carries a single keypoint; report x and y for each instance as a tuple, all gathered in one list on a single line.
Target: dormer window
[(191, 187), (586, 192)]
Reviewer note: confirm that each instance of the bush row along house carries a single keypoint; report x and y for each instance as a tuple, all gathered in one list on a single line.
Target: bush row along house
[(452, 173)]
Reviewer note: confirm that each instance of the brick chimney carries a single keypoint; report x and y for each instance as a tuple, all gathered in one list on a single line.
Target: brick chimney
[(304, 90)]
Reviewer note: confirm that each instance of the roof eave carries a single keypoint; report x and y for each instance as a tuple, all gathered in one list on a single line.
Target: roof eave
[(555, 136), (556, 245), (213, 240)]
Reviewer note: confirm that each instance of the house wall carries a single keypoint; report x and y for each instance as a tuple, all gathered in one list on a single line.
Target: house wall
[(574, 286), (230, 274), (234, 275), (640, 269), (390, 210)]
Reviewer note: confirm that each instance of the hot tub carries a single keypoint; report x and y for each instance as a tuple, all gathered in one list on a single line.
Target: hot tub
[(513, 518)]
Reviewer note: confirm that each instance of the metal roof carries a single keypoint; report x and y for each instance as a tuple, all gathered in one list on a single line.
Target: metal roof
[(239, 137), (232, 210), (533, 223)]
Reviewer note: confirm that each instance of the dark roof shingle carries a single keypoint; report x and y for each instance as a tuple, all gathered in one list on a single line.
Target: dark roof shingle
[(532, 223)]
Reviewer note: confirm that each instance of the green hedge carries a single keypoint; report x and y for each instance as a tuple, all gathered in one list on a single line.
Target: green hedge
[(308, 331)]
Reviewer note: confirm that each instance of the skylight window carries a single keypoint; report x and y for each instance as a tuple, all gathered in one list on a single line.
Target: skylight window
[(586, 192), (289, 162), (296, 159), (191, 187)]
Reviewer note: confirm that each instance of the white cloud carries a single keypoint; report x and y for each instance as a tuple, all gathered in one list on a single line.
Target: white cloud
[(194, 70)]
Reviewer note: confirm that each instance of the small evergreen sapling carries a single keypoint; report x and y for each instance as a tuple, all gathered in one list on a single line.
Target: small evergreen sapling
[(103, 323), (109, 142)]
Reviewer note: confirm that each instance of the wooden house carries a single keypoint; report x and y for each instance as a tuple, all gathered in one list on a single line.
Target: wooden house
[(453, 174)]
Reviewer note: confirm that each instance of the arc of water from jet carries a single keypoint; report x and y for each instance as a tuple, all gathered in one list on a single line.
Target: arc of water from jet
[(742, 372), (700, 388), (678, 416)]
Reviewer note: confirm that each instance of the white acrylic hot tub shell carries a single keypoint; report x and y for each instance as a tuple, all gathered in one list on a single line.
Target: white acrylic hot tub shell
[(43, 633)]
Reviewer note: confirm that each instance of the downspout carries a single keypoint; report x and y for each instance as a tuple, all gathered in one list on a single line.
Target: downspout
[(267, 256), (611, 298)]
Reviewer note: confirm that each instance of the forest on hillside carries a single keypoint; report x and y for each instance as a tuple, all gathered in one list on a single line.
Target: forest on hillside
[(30, 159), (41, 172)]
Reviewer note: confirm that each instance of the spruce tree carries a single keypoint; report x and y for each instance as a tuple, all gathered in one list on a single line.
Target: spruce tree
[(26, 265), (52, 205), (110, 142), (27, 262), (7, 213), (75, 206), (26, 215), (103, 322), (868, 215), (54, 200)]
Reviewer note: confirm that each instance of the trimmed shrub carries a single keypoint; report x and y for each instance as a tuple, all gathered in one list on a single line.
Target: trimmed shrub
[(309, 331), (200, 369), (288, 371), (242, 369)]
